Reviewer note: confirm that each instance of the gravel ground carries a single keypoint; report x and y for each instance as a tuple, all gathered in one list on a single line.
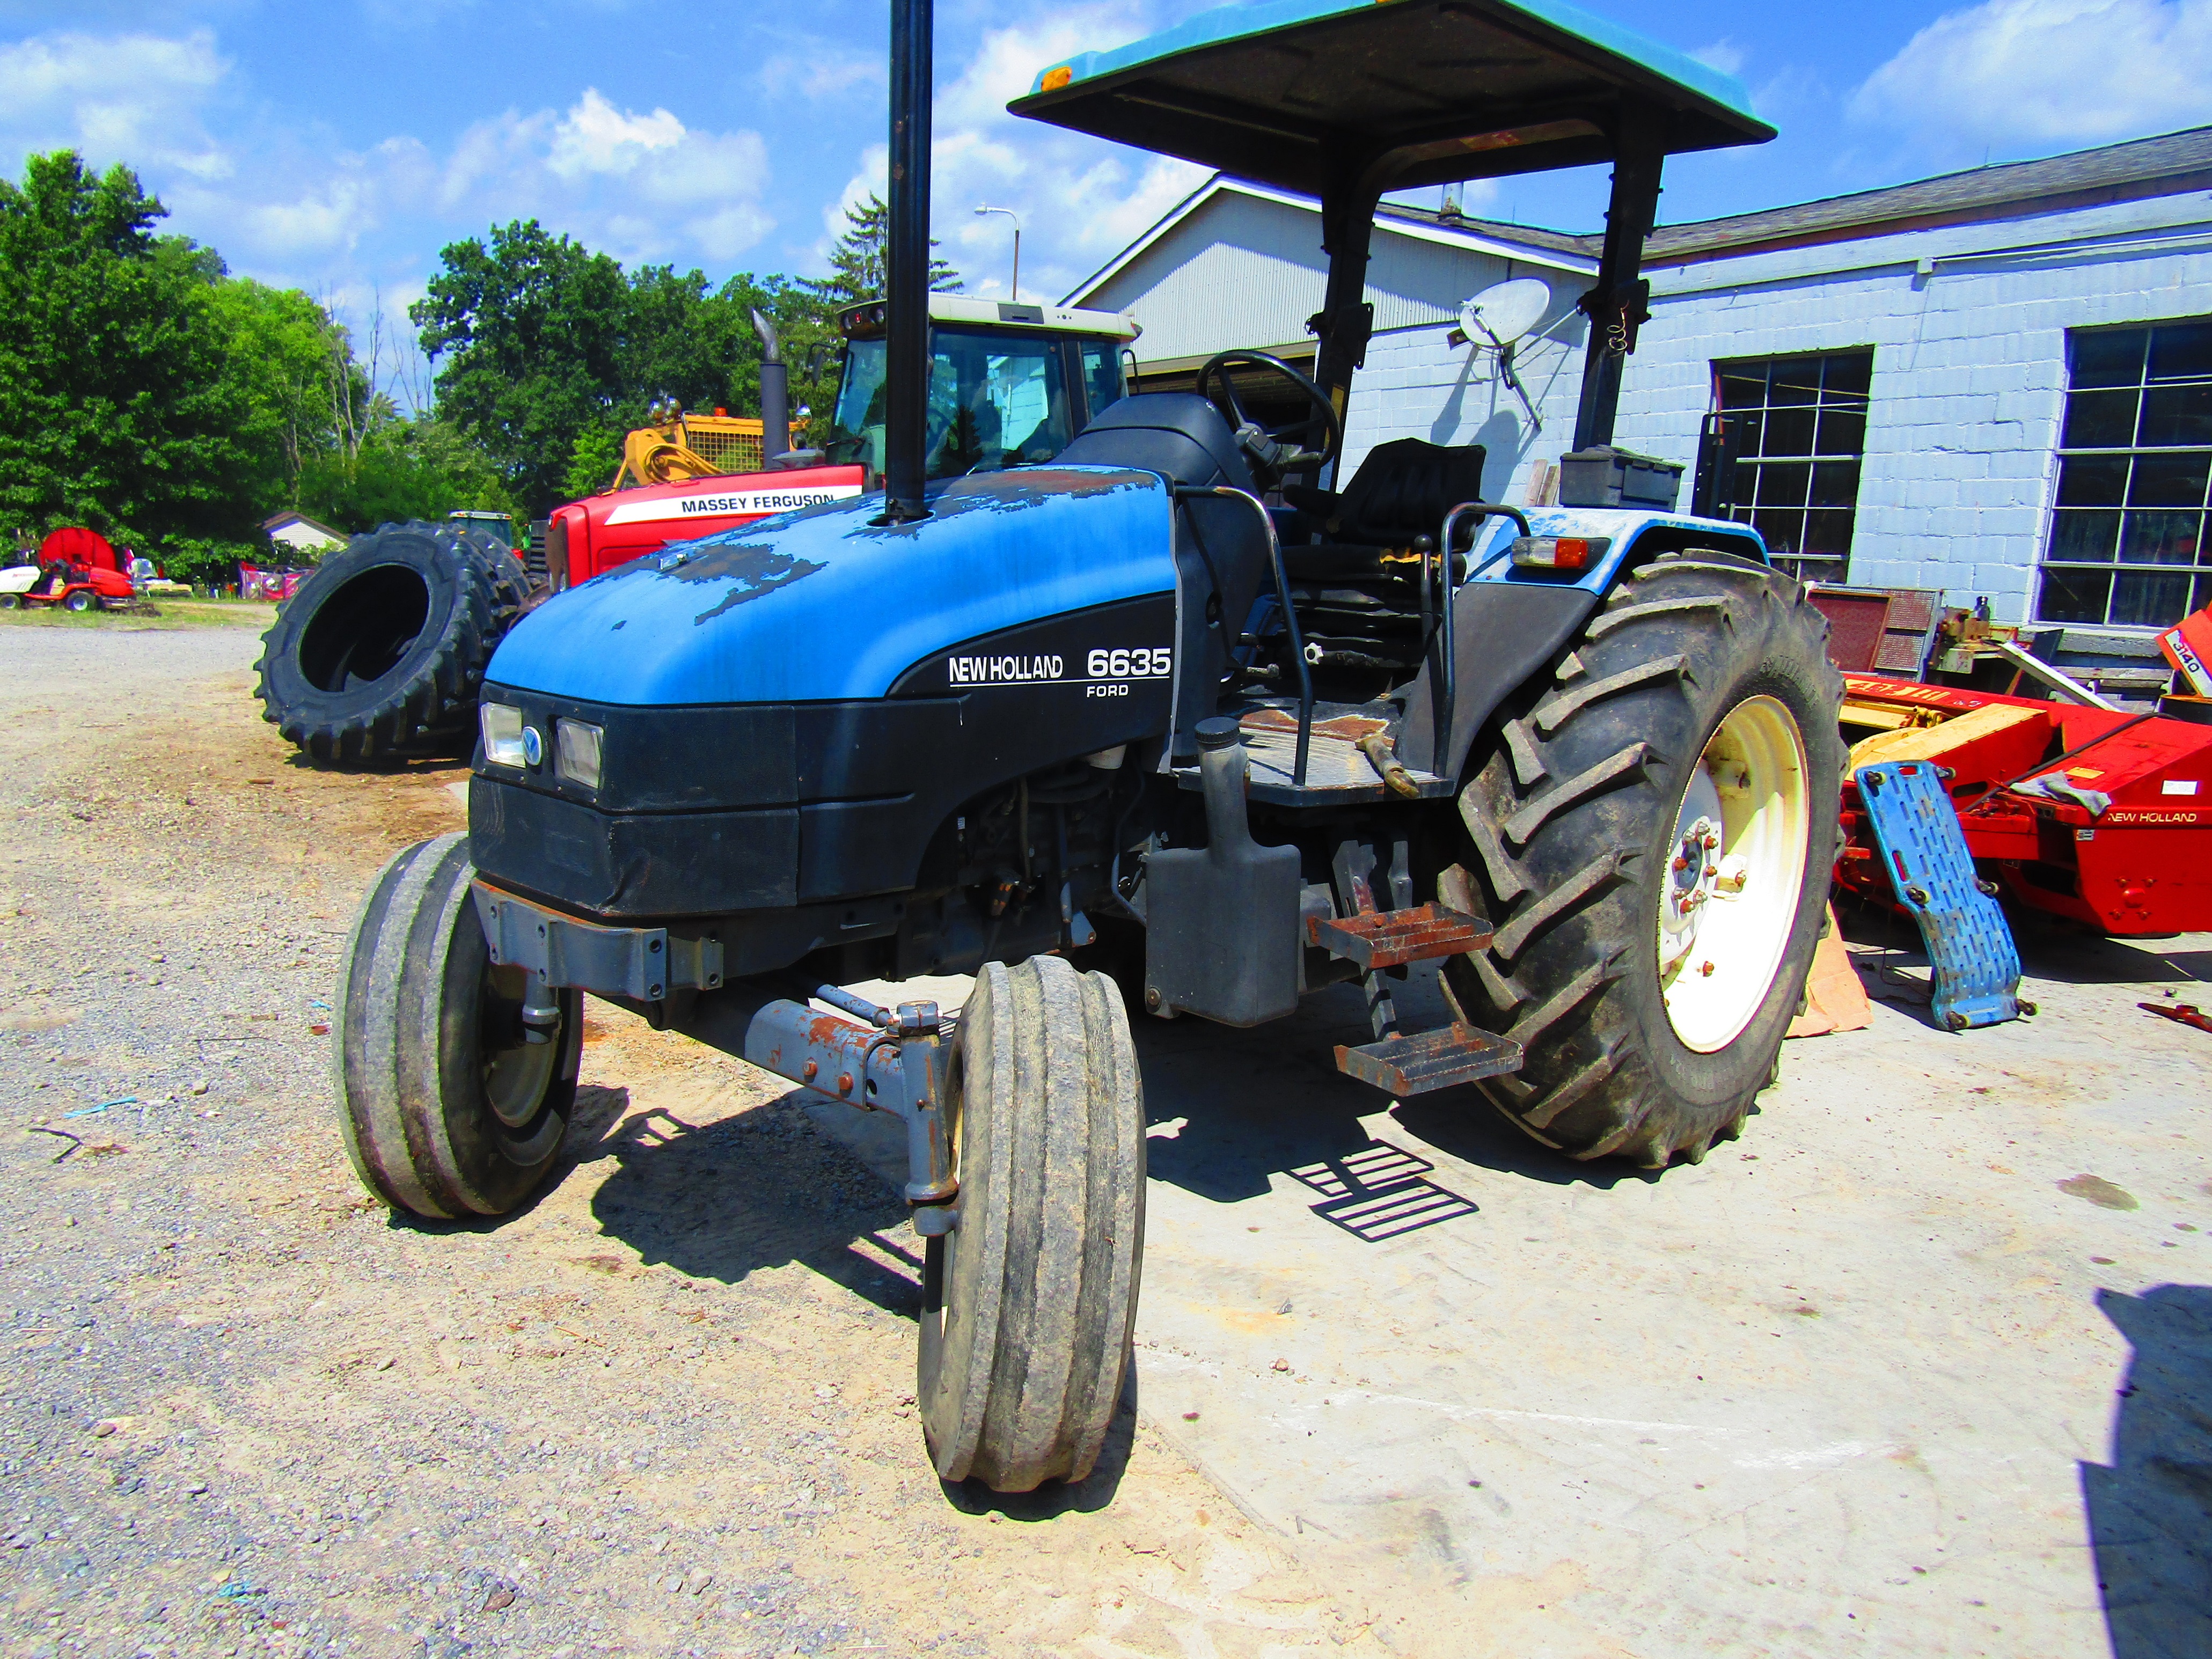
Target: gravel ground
[(665, 1410)]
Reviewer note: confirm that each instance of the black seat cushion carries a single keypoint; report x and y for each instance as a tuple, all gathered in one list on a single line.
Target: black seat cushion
[(1178, 434), (1403, 489)]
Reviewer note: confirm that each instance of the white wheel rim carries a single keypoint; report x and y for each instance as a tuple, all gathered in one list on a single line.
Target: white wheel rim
[(1735, 875)]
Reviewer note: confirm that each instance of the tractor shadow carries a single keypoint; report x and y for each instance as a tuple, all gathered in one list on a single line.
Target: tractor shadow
[(2150, 1512), (764, 1188), (1231, 1111)]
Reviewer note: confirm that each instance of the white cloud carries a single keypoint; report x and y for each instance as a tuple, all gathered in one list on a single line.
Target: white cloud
[(2036, 72), (1080, 200), (595, 137), (133, 98), (274, 199), (1723, 55), (817, 75)]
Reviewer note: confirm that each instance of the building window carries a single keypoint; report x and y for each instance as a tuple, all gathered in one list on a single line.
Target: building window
[(2127, 528), (1799, 425)]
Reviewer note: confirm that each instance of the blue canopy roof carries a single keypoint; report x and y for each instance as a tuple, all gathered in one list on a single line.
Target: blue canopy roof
[(1303, 93)]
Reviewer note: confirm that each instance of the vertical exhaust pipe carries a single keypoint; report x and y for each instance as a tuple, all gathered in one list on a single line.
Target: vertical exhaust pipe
[(906, 367), (775, 393)]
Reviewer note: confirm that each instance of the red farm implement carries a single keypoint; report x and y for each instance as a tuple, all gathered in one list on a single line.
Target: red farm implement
[(2097, 815)]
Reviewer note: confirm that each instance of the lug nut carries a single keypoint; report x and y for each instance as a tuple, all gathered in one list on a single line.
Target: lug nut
[(809, 1072), (845, 1078)]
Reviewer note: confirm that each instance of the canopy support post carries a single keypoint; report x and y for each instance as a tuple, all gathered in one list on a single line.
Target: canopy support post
[(906, 366), (1344, 320), (1620, 301)]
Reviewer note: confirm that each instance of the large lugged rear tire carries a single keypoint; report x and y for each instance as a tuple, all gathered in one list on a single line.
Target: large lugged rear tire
[(1022, 1357), (1651, 838), (447, 1107), (385, 645)]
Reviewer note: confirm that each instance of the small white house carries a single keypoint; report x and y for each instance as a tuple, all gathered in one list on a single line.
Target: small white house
[(297, 533), (1996, 382)]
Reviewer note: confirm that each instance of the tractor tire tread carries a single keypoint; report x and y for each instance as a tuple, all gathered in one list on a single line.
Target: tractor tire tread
[(1558, 810)]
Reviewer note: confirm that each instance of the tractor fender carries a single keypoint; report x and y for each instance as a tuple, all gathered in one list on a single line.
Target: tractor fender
[(1508, 624), (1502, 635)]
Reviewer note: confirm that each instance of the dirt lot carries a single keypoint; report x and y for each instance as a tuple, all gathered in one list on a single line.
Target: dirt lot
[(667, 1409)]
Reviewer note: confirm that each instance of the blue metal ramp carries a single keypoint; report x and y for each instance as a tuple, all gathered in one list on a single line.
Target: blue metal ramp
[(1975, 967)]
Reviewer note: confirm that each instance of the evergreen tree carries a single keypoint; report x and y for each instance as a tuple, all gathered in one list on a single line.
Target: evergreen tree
[(859, 263)]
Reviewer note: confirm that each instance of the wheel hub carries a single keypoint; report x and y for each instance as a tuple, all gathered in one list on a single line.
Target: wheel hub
[(1736, 872)]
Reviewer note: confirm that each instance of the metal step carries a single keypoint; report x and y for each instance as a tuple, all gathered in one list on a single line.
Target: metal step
[(1413, 1065), (1387, 938)]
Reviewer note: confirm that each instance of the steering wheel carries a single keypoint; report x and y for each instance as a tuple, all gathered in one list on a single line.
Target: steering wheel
[(1287, 447)]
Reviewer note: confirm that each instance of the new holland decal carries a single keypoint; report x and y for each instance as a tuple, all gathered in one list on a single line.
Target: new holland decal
[(1107, 669)]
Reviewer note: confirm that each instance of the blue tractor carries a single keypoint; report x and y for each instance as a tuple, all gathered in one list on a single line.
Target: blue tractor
[(1175, 719)]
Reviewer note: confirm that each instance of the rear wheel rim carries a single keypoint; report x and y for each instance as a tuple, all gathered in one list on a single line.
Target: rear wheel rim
[(1735, 876)]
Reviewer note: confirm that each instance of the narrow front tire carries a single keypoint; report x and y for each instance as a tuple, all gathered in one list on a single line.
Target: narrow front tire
[(1025, 1337), (447, 1107)]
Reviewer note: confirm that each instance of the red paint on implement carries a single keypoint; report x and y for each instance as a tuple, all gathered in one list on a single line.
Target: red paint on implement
[(2143, 866)]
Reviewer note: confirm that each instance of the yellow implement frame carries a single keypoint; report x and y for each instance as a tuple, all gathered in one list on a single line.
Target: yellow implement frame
[(691, 446)]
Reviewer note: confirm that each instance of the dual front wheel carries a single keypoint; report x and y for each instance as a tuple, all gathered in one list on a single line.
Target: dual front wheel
[(448, 1110)]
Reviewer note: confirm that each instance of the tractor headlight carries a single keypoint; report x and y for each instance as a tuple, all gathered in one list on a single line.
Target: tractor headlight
[(502, 725), (576, 752)]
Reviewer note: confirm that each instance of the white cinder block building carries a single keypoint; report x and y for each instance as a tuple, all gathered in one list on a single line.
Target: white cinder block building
[(1997, 383)]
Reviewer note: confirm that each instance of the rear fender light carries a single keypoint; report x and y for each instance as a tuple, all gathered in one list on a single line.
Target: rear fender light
[(1560, 552)]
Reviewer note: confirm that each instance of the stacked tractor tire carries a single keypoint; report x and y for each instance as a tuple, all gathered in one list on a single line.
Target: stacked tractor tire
[(382, 650)]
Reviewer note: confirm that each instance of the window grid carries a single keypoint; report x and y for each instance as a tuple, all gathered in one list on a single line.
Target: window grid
[(1800, 427), (2126, 544)]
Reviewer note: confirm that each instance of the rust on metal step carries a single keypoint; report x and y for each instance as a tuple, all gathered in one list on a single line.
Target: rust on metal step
[(1415, 1063), (1387, 938)]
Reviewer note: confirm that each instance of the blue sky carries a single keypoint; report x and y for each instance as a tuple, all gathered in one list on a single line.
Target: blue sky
[(336, 145)]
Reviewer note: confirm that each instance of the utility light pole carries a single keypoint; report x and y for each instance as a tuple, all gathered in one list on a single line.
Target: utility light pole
[(1016, 218)]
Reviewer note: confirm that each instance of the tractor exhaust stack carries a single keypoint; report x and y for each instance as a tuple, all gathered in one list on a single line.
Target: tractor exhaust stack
[(906, 368), (775, 392)]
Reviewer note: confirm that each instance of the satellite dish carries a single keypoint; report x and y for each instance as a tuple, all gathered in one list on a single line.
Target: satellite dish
[(1505, 311)]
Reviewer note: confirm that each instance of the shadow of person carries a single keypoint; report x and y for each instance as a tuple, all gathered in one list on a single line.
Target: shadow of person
[(763, 1188), (2151, 1512)]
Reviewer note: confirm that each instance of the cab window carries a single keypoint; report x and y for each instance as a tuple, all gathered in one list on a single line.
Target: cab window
[(1101, 373), (995, 400)]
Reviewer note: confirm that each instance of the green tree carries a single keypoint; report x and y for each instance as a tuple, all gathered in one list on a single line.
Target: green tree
[(417, 469), (859, 267), (532, 329), (118, 408)]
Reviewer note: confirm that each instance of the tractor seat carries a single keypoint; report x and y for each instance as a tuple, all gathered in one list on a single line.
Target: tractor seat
[(1402, 489), (1178, 434)]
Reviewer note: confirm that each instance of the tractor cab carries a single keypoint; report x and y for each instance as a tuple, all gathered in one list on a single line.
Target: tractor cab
[(1010, 384)]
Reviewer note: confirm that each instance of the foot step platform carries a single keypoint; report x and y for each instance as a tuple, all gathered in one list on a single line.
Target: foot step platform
[(1430, 1060), (1389, 939)]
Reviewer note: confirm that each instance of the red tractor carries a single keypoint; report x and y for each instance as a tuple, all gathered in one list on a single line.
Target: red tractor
[(76, 570)]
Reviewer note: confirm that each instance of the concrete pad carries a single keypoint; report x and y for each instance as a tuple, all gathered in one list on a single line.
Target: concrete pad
[(1848, 1378)]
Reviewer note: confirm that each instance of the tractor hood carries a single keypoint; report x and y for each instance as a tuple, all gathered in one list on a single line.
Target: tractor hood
[(825, 603)]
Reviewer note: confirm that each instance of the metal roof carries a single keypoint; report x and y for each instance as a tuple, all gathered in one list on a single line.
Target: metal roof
[(1293, 92), (2170, 165)]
